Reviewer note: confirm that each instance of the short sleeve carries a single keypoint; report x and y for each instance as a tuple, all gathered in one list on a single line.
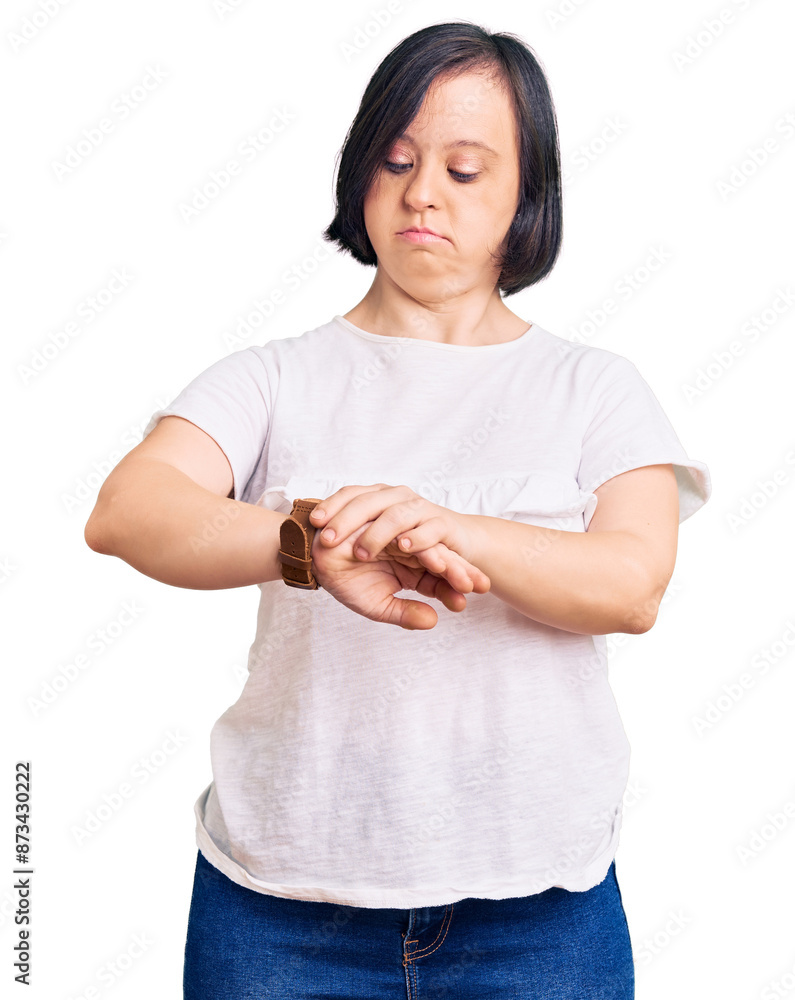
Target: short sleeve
[(231, 401), (627, 428)]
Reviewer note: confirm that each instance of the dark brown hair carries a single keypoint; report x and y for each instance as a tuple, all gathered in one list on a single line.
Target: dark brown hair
[(393, 98)]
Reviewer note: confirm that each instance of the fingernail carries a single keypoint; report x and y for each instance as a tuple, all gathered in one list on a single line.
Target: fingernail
[(362, 553), (318, 512), (329, 534)]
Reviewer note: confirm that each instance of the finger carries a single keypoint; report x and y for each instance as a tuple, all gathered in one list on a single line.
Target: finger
[(462, 574), (432, 584), (411, 615), (423, 535), (385, 506), (329, 507), (443, 591), (480, 581), (448, 564)]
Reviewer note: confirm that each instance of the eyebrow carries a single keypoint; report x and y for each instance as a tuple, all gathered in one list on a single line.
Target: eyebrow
[(459, 142)]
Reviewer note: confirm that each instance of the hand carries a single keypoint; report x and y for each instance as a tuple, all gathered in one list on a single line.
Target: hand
[(369, 587), (398, 514)]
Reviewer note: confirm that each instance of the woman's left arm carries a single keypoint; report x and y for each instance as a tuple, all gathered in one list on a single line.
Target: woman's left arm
[(608, 579)]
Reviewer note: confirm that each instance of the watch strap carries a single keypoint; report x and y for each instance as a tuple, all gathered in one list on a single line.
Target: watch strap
[(295, 552)]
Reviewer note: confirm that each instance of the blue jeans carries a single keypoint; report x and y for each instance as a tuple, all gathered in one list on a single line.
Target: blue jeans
[(554, 945)]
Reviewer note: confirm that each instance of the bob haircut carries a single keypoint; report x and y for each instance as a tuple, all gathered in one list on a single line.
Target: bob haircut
[(393, 98)]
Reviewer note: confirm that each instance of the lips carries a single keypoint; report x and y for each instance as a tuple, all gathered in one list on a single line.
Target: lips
[(421, 237), (421, 229)]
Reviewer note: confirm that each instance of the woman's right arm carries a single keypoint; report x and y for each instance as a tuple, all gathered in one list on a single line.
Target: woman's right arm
[(165, 510)]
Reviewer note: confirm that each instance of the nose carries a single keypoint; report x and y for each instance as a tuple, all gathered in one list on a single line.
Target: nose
[(423, 188)]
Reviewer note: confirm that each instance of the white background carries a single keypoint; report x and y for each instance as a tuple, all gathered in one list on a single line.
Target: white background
[(706, 919)]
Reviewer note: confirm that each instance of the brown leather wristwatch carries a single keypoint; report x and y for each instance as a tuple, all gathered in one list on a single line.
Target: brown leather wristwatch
[(296, 535)]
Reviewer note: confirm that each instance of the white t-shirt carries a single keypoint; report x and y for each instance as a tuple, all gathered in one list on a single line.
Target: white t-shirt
[(368, 765)]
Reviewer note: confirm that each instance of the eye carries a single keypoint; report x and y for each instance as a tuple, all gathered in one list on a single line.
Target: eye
[(399, 168)]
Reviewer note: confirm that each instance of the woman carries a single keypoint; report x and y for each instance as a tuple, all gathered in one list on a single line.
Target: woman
[(434, 814)]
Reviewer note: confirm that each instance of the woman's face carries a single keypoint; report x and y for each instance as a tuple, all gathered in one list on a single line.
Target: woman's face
[(465, 193)]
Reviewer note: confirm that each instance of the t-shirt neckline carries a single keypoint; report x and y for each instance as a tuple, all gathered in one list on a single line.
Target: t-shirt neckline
[(461, 348)]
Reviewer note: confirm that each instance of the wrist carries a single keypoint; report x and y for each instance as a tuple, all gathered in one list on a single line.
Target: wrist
[(471, 543)]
